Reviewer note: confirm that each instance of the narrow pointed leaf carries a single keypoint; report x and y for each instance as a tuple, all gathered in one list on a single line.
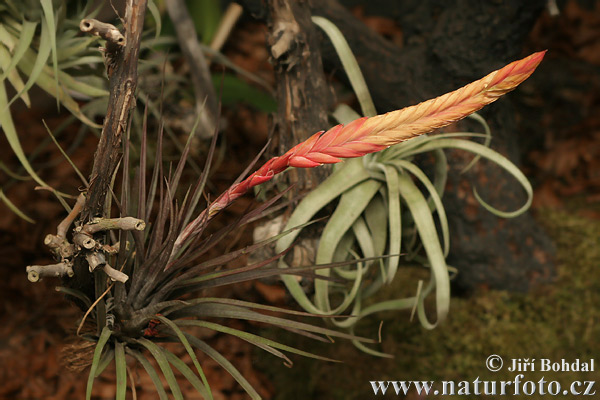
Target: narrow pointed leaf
[(121, 371), (158, 354), (104, 336), (162, 394)]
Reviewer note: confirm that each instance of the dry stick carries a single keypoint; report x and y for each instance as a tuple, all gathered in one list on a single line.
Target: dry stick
[(84, 241), (122, 84), (230, 17), (61, 230), (203, 87), (58, 243), (35, 272), (114, 274), (106, 31), (104, 224), (92, 307)]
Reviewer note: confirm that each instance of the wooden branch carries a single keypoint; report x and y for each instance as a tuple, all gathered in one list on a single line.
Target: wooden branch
[(123, 82), (303, 95), (59, 246), (104, 224), (206, 100), (114, 274), (61, 229), (106, 31), (36, 272), (95, 259)]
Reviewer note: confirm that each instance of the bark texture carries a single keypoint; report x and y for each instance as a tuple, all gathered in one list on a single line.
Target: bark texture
[(303, 95), (122, 83)]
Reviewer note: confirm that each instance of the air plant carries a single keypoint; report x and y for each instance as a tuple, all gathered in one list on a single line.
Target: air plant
[(380, 209), (150, 277)]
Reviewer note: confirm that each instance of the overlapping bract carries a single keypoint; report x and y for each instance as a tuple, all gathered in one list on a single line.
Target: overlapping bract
[(369, 135)]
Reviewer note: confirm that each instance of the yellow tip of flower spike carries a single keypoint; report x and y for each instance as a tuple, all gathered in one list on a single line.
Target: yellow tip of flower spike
[(369, 135), (400, 125)]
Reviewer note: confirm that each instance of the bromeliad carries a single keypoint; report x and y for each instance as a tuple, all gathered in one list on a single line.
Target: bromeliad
[(369, 135)]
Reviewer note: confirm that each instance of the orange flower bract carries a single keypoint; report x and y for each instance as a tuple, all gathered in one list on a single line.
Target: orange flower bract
[(369, 135)]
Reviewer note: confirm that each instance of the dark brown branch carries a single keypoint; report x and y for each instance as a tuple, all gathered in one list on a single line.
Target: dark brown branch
[(123, 83), (303, 95), (206, 101)]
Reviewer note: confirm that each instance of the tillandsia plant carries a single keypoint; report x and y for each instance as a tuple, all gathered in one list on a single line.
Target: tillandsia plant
[(381, 210), (140, 275)]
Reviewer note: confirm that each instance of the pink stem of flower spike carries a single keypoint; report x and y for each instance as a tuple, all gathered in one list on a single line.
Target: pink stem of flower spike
[(369, 135)]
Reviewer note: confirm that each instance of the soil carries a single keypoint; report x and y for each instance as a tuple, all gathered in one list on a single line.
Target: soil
[(558, 116)]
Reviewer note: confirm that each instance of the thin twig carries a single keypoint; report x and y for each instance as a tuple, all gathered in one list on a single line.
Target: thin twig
[(106, 31), (105, 224), (230, 17), (35, 272), (61, 229), (92, 307)]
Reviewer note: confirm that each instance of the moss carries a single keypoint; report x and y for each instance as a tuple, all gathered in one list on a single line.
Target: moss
[(556, 322)]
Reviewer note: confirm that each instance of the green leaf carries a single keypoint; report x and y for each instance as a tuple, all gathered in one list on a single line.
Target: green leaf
[(352, 204), (236, 90), (49, 17), (75, 293), (423, 219), (108, 356), (180, 335), (13, 175), (74, 48), (11, 136), (104, 336), (230, 311), (13, 76), (121, 371), (14, 208), (25, 38), (349, 63), (226, 364), (493, 156), (162, 394), (436, 199), (45, 80), (251, 338), (35, 69), (77, 171), (206, 15), (156, 16), (159, 355), (351, 173), (188, 374), (395, 221)]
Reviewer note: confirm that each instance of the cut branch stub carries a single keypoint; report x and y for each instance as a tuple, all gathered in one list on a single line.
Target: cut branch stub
[(114, 274), (36, 272), (59, 246), (104, 224), (84, 240), (95, 259), (106, 31)]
